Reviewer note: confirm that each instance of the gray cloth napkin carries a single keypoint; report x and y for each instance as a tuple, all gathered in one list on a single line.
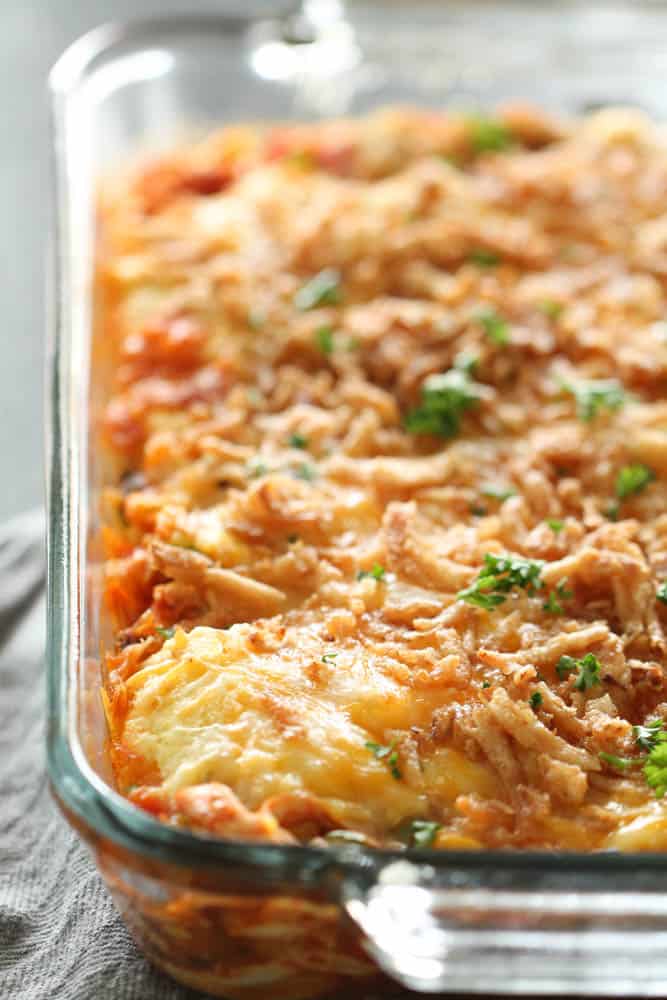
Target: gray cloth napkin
[(60, 935)]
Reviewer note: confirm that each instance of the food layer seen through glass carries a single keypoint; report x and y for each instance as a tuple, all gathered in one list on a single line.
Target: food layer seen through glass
[(387, 551)]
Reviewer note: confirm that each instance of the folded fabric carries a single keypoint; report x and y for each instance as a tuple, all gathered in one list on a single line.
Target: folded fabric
[(60, 935)]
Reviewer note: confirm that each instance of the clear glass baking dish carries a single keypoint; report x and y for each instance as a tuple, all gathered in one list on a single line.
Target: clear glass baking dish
[(247, 920)]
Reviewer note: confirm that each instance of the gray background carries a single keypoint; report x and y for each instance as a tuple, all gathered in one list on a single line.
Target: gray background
[(32, 36)]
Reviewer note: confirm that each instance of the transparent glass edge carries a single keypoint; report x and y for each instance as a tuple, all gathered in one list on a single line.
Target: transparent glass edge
[(100, 809)]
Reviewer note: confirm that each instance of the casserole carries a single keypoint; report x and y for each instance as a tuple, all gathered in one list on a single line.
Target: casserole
[(199, 906)]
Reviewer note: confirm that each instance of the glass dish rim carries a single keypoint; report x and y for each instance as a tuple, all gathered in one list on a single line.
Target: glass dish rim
[(101, 810)]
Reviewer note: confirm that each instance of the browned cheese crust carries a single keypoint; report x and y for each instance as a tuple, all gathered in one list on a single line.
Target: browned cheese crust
[(357, 363)]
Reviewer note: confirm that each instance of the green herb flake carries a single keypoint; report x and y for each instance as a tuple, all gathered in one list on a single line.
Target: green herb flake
[(553, 602), (596, 395), (494, 326), (444, 400), (376, 573), (466, 362), (552, 605), (612, 510), (588, 671), (423, 832), (652, 739), (536, 699), (257, 469), (661, 592), (291, 539), (166, 633), (489, 135), (484, 258), (500, 493), (388, 753), (478, 510), (324, 339), (632, 479), (556, 526), (306, 472), (329, 657), (648, 736), (322, 290), (551, 308), (655, 768), (620, 763), (486, 684), (297, 440), (498, 577)]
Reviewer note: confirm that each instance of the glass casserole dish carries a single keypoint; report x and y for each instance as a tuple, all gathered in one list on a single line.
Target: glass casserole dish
[(241, 919)]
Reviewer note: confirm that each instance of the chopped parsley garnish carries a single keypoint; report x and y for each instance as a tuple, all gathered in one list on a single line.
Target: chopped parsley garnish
[(536, 699), (444, 400), (501, 493), (621, 763), (596, 395), (652, 739), (655, 768), (633, 479), (478, 510), (495, 327), (553, 602), (556, 526), (292, 539), (322, 290), (466, 362), (388, 753), (551, 308), (647, 737), (297, 440), (661, 592), (377, 573), (488, 135), (498, 577), (324, 339), (612, 509), (329, 657), (484, 258), (423, 832), (486, 684), (257, 469), (588, 670), (166, 633), (306, 472)]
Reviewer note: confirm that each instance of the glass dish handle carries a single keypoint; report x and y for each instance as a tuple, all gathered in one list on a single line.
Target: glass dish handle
[(431, 934)]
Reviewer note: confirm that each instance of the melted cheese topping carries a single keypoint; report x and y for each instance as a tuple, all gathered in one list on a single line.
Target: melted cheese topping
[(302, 506)]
